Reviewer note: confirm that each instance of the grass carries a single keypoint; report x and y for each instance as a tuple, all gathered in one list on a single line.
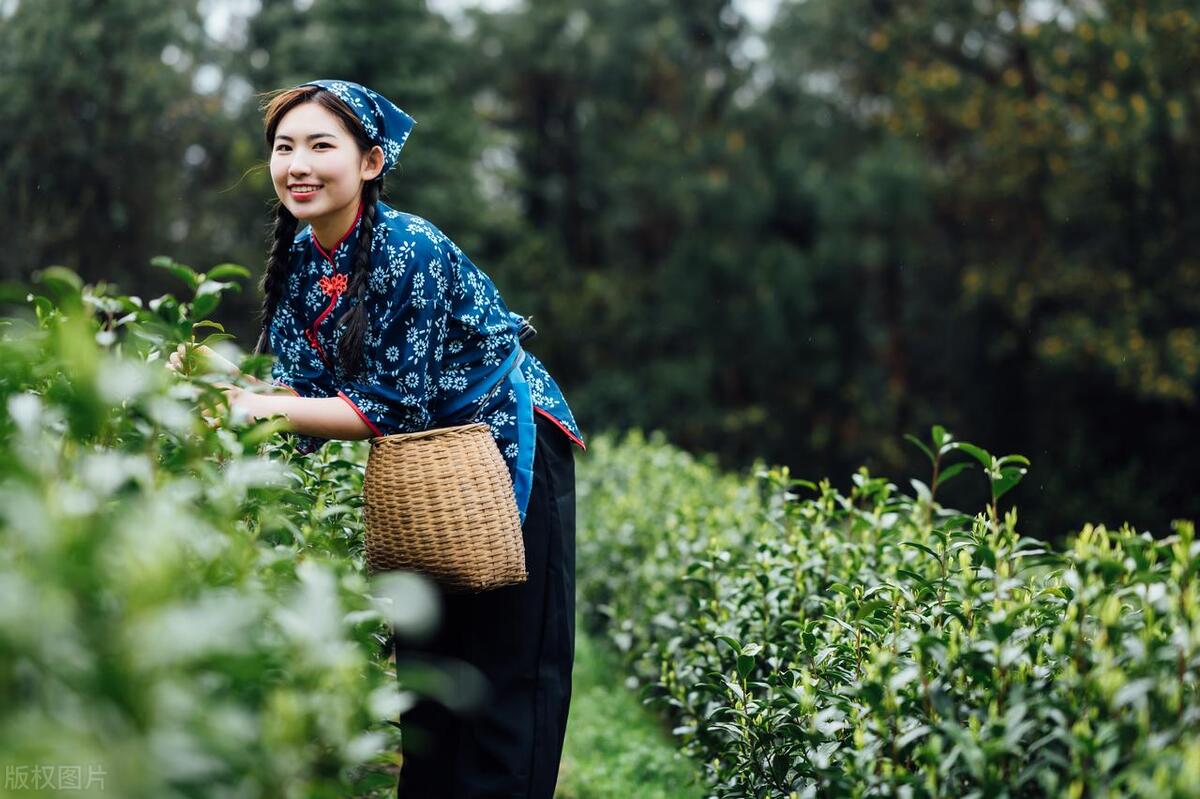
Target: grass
[(615, 748)]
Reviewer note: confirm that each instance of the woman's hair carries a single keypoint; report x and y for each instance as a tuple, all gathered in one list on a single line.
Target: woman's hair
[(283, 231)]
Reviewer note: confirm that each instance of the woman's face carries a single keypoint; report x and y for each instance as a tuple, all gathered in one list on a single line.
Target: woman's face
[(318, 170)]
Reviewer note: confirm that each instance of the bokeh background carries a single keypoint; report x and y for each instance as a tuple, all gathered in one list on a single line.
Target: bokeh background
[(792, 231)]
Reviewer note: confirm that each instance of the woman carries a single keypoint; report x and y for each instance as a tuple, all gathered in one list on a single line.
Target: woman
[(380, 324)]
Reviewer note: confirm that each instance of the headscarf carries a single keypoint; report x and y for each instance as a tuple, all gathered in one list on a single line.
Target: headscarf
[(385, 123)]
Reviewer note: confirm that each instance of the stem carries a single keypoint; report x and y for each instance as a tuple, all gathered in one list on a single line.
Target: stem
[(937, 467)]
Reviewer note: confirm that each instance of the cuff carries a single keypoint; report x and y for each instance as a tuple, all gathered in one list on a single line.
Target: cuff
[(358, 410)]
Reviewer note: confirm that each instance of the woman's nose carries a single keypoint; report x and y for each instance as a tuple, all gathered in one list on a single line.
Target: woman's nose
[(298, 165)]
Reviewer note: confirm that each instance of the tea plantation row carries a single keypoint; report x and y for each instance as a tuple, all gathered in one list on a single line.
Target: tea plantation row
[(803, 642), (183, 611)]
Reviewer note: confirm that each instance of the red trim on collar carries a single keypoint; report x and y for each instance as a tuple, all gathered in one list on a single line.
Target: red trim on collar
[(566, 432), (346, 235)]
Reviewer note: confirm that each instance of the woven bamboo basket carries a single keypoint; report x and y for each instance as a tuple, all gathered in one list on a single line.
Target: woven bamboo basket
[(440, 502)]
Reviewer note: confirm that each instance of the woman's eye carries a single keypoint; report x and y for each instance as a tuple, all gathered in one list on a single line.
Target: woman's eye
[(282, 147)]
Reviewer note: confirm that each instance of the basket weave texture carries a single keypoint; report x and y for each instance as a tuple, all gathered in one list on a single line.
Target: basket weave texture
[(440, 502)]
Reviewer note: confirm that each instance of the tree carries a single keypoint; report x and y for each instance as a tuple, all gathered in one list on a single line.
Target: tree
[(93, 131)]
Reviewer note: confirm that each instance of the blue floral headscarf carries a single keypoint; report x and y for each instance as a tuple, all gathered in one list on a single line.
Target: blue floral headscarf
[(385, 123)]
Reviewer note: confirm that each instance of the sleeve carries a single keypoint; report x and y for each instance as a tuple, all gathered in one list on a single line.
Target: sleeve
[(297, 367), (396, 388)]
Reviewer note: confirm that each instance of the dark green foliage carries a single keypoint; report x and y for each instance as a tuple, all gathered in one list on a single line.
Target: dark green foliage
[(93, 132), (805, 642), (794, 244)]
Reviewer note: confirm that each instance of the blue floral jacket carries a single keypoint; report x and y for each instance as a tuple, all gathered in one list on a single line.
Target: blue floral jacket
[(438, 339)]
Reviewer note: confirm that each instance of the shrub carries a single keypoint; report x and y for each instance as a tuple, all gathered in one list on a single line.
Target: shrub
[(879, 644), (182, 609)]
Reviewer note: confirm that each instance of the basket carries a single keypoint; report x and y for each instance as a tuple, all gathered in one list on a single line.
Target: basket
[(440, 502)]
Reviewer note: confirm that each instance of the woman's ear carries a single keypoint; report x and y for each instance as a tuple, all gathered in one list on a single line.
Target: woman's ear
[(372, 165)]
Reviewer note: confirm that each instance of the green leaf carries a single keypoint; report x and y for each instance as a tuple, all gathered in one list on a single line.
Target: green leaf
[(216, 337), (1001, 630), (216, 287), (923, 448), (923, 548), (733, 643), (923, 492), (912, 735), (958, 614), (867, 609), (912, 575), (980, 454), (64, 286), (940, 437), (204, 305), (60, 276), (42, 306), (181, 271), (1007, 459), (226, 271), (745, 665), (1009, 477), (953, 470), (264, 431)]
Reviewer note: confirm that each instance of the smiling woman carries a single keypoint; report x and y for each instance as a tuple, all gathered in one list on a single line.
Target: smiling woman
[(318, 170), (381, 324)]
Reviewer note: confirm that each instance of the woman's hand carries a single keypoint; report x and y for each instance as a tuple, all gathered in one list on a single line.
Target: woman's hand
[(244, 406), (205, 358), (241, 402)]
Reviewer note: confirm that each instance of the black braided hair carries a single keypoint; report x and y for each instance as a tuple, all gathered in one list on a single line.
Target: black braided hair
[(350, 348), (273, 279)]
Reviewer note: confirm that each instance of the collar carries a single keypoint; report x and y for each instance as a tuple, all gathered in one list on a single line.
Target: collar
[(346, 235)]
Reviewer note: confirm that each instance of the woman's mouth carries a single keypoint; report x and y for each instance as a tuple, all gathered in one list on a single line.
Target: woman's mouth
[(303, 191)]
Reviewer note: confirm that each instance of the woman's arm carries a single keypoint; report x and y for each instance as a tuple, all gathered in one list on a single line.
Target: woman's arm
[(322, 417), (265, 386)]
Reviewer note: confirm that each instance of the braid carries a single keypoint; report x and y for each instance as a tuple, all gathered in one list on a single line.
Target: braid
[(355, 320), (276, 273)]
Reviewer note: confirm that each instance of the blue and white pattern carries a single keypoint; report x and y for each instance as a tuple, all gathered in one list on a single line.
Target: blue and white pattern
[(385, 123), (439, 337)]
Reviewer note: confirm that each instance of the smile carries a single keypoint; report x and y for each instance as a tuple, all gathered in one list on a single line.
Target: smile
[(303, 192)]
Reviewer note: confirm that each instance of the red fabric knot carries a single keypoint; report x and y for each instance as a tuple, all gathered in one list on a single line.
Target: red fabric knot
[(334, 285)]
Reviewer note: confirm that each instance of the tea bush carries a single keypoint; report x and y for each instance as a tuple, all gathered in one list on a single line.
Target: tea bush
[(183, 611), (807, 643), (182, 607)]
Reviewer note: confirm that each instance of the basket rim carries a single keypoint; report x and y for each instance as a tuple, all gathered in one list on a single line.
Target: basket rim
[(426, 433)]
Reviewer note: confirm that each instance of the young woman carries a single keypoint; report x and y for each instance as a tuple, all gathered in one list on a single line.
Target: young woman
[(381, 324)]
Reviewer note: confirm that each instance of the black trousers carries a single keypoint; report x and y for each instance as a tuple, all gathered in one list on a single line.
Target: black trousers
[(521, 639)]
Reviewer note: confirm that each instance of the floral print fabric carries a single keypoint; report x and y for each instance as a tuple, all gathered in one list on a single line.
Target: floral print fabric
[(385, 123), (438, 339)]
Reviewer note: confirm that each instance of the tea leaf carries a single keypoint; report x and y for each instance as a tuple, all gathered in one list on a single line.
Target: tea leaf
[(923, 448), (980, 454)]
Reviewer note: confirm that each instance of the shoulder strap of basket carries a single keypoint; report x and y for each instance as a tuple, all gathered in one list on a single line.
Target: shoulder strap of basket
[(484, 402)]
